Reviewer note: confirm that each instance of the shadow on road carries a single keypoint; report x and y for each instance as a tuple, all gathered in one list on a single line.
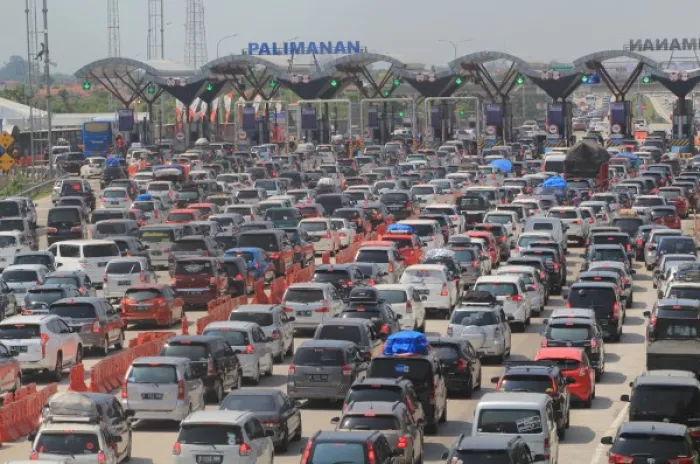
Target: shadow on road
[(579, 434), (611, 358), (634, 321), (156, 426), (632, 338), (601, 402), (612, 378), (433, 451)]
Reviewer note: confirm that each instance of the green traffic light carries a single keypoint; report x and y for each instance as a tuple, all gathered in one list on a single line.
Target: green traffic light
[(151, 89), (401, 114), (273, 84), (458, 81), (461, 112), (87, 85), (397, 82), (210, 87), (334, 83), (520, 80), (584, 78), (386, 93), (646, 80)]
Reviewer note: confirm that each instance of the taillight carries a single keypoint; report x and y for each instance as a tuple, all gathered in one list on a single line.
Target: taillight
[(287, 309), (384, 329), (328, 234), (542, 275), (620, 459), (443, 292), (212, 281), (544, 342), (546, 449), (640, 242), (76, 229), (449, 330), (461, 365), (475, 262), (684, 460), (616, 310), (101, 458), (371, 455), (210, 366), (556, 266), (403, 442), (44, 341), (409, 307), (391, 267), (292, 369), (250, 349), (244, 449), (577, 221), (96, 326), (629, 247), (591, 220), (347, 370), (515, 298), (142, 276), (594, 343), (181, 390), (125, 390), (372, 282), (34, 456)]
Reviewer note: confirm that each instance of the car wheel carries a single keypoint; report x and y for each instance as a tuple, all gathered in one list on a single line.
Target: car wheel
[(104, 350), (290, 350), (284, 444), (562, 433), (468, 388), (121, 342), (648, 267), (443, 416), (128, 452), (58, 369), (280, 357), (268, 373), (297, 434), (256, 380)]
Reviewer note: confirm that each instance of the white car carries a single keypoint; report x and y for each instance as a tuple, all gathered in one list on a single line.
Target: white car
[(426, 193), (577, 227), (429, 232), (431, 281), (115, 197), (484, 326), (93, 166), (20, 277), (75, 441), (404, 300), (509, 220), (11, 243), (536, 290), (510, 291), (142, 179), (153, 210), (163, 189), (42, 344), (346, 232), (89, 256), (458, 220), (323, 233)]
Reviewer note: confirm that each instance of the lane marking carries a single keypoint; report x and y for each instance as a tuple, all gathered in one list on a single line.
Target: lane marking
[(601, 449)]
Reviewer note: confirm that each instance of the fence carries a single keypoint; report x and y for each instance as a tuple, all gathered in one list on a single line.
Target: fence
[(219, 310), (21, 412)]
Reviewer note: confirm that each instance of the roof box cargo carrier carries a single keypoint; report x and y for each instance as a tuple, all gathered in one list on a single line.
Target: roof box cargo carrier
[(406, 343)]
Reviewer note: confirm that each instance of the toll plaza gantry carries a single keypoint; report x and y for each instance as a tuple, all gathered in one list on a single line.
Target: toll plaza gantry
[(680, 84)]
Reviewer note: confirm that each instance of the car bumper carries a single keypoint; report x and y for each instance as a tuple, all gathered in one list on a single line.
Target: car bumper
[(180, 412), (35, 366), (323, 245), (196, 300), (492, 347), (331, 393), (437, 303), (160, 318), (92, 340), (580, 391)]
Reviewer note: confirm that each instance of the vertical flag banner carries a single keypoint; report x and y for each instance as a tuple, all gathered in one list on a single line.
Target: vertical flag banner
[(227, 105), (179, 110), (193, 107), (214, 109), (203, 110)]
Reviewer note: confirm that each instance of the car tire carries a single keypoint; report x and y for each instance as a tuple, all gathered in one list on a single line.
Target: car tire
[(217, 392), (280, 357), (468, 389), (297, 434), (284, 444), (104, 350), (648, 267), (268, 373), (431, 429), (127, 458), (443, 416), (119, 344), (57, 374), (290, 350), (588, 402), (561, 433)]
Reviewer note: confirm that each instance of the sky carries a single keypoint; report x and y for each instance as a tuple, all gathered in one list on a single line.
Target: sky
[(409, 30)]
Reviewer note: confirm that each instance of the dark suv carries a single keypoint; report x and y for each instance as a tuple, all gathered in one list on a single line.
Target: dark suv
[(348, 446), (504, 449), (64, 223), (275, 243), (603, 298), (651, 442), (539, 377), (193, 246), (111, 173), (224, 371), (581, 333), (344, 277), (390, 390)]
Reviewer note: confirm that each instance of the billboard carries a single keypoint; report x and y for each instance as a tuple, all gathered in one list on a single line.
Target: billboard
[(308, 118), (126, 120), (494, 115), (249, 118)]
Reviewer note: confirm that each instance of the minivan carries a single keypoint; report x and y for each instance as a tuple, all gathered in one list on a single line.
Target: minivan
[(160, 239), (89, 256), (603, 298), (553, 226), (64, 223)]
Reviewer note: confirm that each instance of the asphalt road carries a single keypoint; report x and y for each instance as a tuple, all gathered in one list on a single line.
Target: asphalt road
[(624, 361)]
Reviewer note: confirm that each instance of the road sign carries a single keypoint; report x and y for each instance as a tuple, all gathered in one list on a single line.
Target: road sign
[(170, 82), (552, 129), (644, 106), (6, 162), (491, 130), (561, 67), (616, 128), (6, 140), (180, 136)]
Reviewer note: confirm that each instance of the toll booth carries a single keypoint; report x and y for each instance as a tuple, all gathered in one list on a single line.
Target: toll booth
[(443, 121), (559, 133), (621, 127), (683, 127)]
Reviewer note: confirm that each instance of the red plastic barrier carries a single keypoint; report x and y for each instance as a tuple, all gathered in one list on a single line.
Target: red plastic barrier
[(221, 311), (277, 289), (348, 254), (185, 326), (22, 415), (303, 275), (77, 378), (260, 296), (381, 230), (326, 257), (291, 273)]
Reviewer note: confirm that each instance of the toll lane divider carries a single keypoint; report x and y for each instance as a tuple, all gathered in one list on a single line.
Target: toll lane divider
[(23, 415), (219, 310), (259, 295), (107, 375)]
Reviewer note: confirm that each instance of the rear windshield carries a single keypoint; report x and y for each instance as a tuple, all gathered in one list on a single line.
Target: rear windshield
[(57, 216), (497, 289), (100, 251), (262, 319), (475, 318), (48, 295), (318, 357), (267, 242), (67, 280), (123, 267), (393, 296), (232, 336), (383, 393), (74, 310), (303, 295), (193, 268), (607, 239), (116, 194), (562, 214), (189, 245), (33, 259), (180, 217), (483, 456), (499, 218), (145, 206), (662, 447), (418, 371), (7, 241), (649, 202), (19, 331), (526, 383), (677, 245), (369, 422), (238, 402), (314, 226), (393, 198), (187, 350), (373, 256), (520, 421), (662, 212), (628, 225), (330, 275), (157, 236), (142, 295), (350, 333), (569, 332), (152, 373), (663, 402), (103, 215), (64, 443), (17, 276), (614, 254), (542, 226), (591, 297), (328, 453), (210, 434), (111, 228), (423, 230)]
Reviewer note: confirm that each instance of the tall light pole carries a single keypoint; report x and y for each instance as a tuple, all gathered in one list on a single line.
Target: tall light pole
[(221, 40), (455, 44), (47, 74)]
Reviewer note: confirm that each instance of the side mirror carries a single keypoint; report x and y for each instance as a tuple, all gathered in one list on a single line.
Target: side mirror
[(116, 439), (32, 436), (607, 440), (570, 381), (424, 297), (399, 316), (647, 313), (129, 413), (291, 318), (335, 420), (625, 398)]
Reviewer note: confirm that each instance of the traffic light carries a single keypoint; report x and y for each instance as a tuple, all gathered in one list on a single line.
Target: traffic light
[(151, 88), (590, 79), (210, 87), (461, 111), (386, 93), (273, 84), (87, 85), (520, 80), (401, 114), (646, 80), (397, 82), (458, 81), (334, 83)]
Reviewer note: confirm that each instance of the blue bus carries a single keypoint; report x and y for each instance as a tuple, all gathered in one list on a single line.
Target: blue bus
[(98, 138)]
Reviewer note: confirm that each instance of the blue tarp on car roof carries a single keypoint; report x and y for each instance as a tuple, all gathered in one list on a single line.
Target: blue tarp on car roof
[(399, 229), (406, 343)]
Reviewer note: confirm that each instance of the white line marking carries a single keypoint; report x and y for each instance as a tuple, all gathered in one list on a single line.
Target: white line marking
[(601, 449)]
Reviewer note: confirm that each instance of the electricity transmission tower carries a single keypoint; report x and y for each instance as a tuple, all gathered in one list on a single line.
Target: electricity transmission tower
[(113, 28), (37, 121), (195, 34), (156, 47)]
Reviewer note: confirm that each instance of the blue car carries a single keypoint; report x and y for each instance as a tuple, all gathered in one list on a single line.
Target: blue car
[(258, 262)]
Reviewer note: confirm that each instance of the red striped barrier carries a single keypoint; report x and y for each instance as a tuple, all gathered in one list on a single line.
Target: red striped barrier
[(23, 415)]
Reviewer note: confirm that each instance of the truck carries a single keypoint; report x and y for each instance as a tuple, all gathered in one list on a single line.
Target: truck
[(588, 160)]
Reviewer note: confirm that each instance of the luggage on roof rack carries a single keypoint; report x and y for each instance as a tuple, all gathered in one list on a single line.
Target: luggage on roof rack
[(475, 296), (399, 229), (406, 343), (71, 407)]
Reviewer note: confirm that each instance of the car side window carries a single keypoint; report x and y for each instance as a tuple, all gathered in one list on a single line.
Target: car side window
[(62, 326), (256, 336), (4, 353), (257, 428)]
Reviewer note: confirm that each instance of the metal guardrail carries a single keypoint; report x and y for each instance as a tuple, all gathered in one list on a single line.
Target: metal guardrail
[(40, 177)]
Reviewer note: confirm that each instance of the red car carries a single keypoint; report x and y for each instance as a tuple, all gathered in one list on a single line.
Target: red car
[(152, 303), (494, 252), (666, 216), (574, 364), (199, 280), (310, 210), (183, 216), (205, 209), (675, 196)]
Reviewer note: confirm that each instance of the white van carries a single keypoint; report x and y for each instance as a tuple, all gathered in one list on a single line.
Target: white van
[(528, 415), (11, 243), (554, 163), (89, 256)]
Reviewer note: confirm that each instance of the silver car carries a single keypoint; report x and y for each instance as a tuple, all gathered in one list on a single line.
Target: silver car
[(223, 437), (253, 347), (163, 388), (577, 226), (509, 290), (123, 273), (536, 290), (651, 244), (485, 326), (19, 277), (160, 239), (312, 303), (274, 322)]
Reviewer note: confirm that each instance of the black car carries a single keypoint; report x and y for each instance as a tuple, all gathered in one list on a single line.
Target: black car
[(604, 299), (651, 442), (539, 263), (666, 396), (78, 188), (377, 213), (361, 445), (40, 297), (112, 173), (504, 449), (581, 333), (461, 364), (399, 203), (672, 335), (344, 277), (36, 257), (71, 162), (273, 408), (8, 303), (64, 223), (364, 303), (387, 390), (552, 264), (224, 371), (130, 246), (131, 187), (236, 269), (539, 377)]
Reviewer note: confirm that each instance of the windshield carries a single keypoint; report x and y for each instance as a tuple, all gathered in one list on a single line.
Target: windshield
[(64, 443), (181, 217), (233, 337), (512, 421), (369, 423), (210, 434), (497, 289), (240, 402), (149, 373), (267, 242), (74, 310), (477, 318), (318, 357), (303, 295), (350, 333), (608, 255), (157, 236), (103, 215), (569, 332), (423, 276), (248, 194), (262, 319), (372, 256), (526, 383)]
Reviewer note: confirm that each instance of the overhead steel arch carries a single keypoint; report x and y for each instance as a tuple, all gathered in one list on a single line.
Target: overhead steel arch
[(119, 66), (357, 59), (582, 63), (242, 61), (486, 57)]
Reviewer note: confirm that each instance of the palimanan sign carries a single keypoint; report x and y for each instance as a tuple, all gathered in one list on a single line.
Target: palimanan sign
[(660, 45), (326, 47)]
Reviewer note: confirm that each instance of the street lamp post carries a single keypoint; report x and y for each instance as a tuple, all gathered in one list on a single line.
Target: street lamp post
[(221, 40), (455, 44)]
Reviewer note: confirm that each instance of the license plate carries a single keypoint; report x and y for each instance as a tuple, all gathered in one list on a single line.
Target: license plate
[(156, 252), (395, 208), (124, 282), (304, 313), (194, 292), (102, 264), (18, 349), (318, 377), (209, 459), (423, 292), (142, 308), (152, 396)]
